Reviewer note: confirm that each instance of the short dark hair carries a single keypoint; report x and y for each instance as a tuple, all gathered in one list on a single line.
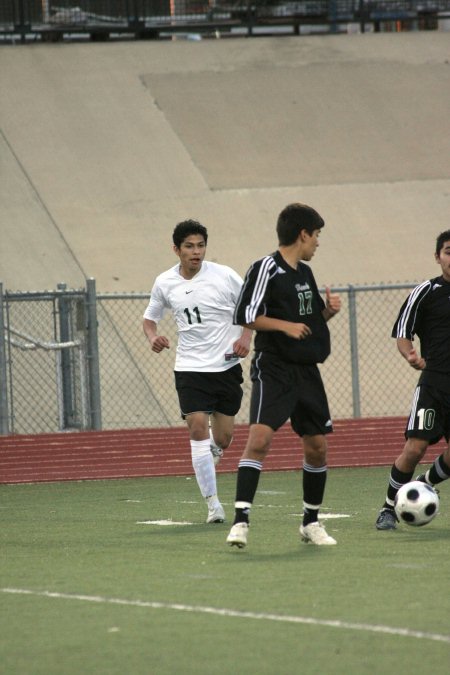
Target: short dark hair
[(440, 241), (293, 219), (186, 228)]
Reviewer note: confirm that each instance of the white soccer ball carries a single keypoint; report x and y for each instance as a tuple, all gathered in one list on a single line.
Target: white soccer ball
[(416, 503)]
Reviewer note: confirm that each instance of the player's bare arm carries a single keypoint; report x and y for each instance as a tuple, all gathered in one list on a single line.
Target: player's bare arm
[(158, 342), (332, 304), (407, 350), (242, 345), (297, 331)]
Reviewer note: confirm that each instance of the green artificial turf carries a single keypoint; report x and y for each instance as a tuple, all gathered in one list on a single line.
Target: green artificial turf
[(103, 591)]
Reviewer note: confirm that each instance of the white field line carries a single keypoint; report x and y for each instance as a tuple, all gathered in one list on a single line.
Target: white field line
[(198, 609), (162, 522)]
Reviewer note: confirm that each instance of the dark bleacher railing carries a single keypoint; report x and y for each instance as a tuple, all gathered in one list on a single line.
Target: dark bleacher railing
[(32, 20)]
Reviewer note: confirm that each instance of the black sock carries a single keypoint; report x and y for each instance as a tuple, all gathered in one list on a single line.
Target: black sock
[(314, 481), (248, 475), (309, 515), (439, 471), (396, 480)]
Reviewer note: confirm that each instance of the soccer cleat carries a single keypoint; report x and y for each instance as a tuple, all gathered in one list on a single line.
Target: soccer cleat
[(238, 535), (421, 478), (316, 534), (216, 514), (217, 453), (387, 520)]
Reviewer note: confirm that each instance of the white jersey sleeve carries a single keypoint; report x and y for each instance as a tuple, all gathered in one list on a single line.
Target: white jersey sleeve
[(157, 305)]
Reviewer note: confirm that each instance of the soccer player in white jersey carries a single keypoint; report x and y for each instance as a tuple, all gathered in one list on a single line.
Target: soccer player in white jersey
[(208, 375)]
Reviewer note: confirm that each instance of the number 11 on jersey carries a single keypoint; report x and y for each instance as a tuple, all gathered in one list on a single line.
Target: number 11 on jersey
[(196, 311)]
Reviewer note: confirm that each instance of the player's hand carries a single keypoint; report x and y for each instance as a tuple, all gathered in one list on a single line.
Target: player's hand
[(332, 301), (159, 342), (241, 348), (298, 331), (415, 361)]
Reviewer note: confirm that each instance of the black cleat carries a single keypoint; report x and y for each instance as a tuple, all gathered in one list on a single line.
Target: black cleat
[(422, 479), (387, 520)]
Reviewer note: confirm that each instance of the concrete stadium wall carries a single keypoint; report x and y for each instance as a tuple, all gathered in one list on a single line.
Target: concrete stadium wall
[(105, 147)]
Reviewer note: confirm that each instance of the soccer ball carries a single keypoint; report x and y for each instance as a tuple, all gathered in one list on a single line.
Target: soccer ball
[(416, 503)]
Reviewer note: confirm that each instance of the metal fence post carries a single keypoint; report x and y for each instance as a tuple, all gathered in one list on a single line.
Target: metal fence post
[(332, 15), (64, 356), (4, 426), (93, 356), (356, 396)]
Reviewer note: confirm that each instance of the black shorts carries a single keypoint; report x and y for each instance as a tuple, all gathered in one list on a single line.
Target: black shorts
[(429, 418), (210, 392), (288, 390)]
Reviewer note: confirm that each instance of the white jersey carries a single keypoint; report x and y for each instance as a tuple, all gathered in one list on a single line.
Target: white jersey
[(203, 309)]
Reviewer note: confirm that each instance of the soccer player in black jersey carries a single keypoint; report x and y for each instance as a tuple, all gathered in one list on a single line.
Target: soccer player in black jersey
[(280, 300), (425, 313)]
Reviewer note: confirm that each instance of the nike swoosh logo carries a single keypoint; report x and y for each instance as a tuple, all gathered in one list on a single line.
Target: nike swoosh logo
[(189, 291)]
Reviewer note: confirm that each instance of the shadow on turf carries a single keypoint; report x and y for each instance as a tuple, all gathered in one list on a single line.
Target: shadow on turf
[(413, 535), (249, 555), (253, 552)]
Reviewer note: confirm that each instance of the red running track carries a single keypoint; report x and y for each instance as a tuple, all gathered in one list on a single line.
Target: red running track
[(91, 455)]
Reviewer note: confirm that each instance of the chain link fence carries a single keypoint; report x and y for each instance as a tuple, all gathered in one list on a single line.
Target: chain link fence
[(75, 359), (49, 377)]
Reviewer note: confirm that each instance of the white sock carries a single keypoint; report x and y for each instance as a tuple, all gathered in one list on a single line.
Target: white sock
[(203, 463)]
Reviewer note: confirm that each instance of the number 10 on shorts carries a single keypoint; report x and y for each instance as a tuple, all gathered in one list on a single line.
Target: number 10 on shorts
[(426, 418)]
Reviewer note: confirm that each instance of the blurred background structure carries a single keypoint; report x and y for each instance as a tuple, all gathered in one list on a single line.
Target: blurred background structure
[(101, 20)]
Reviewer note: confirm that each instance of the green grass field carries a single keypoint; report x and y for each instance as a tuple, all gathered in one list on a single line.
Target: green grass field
[(104, 591)]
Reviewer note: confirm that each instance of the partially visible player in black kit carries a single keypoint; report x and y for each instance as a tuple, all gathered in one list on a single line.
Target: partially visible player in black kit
[(425, 313), (281, 301)]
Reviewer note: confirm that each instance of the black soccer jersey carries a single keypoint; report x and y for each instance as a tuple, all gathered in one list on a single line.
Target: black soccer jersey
[(426, 313), (274, 289)]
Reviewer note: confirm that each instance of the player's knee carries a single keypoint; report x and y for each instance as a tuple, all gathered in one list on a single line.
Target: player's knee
[(257, 448), (198, 432), (315, 450), (256, 453), (414, 450)]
